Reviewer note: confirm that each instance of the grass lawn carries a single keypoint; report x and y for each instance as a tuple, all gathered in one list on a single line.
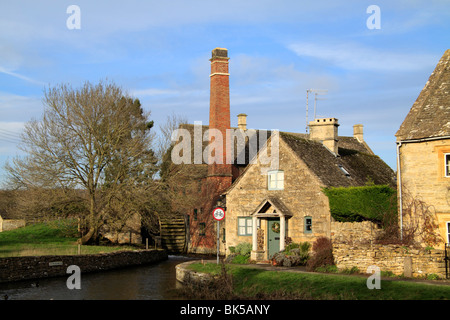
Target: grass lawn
[(48, 238), (251, 283)]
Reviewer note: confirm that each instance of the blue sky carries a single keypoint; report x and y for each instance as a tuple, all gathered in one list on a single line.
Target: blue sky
[(159, 52)]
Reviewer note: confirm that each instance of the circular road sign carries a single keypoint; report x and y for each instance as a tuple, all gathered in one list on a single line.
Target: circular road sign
[(218, 213)]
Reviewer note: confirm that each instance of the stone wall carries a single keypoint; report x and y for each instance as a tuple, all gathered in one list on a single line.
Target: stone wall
[(26, 268), (185, 275), (423, 178), (11, 224), (396, 259), (364, 232)]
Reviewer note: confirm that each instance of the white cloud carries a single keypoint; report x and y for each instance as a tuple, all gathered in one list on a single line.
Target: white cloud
[(15, 108), (19, 76), (352, 56)]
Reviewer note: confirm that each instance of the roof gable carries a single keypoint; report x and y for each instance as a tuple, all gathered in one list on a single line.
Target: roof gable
[(429, 116), (276, 206)]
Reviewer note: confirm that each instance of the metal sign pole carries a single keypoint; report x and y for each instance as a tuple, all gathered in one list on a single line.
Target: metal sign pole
[(218, 240), (218, 214)]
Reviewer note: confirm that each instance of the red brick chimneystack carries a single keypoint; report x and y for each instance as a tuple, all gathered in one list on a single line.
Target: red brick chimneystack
[(219, 117)]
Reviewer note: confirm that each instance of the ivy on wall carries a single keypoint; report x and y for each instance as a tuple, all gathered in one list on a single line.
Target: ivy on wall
[(373, 202)]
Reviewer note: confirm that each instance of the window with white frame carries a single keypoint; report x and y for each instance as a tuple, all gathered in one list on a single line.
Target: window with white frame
[(275, 180), (245, 226), (447, 164)]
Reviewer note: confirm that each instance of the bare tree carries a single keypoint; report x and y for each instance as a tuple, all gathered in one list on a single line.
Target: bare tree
[(164, 141), (420, 224), (94, 138)]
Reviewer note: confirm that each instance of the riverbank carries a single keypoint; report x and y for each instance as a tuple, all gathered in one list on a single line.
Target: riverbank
[(38, 267), (57, 237), (269, 282)]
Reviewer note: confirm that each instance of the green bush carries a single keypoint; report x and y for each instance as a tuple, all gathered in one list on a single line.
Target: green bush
[(244, 249), (239, 254), (373, 203), (240, 259)]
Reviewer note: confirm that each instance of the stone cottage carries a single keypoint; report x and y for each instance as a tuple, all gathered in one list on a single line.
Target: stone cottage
[(423, 154), (288, 203), (266, 202)]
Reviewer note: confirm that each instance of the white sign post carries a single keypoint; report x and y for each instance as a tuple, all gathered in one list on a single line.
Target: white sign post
[(218, 214)]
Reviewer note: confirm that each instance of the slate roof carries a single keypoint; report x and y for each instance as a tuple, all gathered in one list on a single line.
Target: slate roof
[(238, 149), (430, 114), (356, 164), (356, 158)]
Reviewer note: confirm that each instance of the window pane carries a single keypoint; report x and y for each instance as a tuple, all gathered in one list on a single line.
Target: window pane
[(447, 165), (241, 222), (241, 231), (280, 176), (249, 226), (271, 180), (308, 224), (280, 180), (273, 184)]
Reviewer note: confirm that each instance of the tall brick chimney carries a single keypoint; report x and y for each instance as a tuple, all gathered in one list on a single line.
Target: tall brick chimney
[(219, 115)]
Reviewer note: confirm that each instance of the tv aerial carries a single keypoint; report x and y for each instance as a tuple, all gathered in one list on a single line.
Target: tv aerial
[(316, 92)]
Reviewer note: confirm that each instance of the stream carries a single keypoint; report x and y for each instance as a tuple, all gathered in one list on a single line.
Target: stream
[(150, 282)]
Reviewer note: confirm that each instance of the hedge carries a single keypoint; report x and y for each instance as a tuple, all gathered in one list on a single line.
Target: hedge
[(372, 203)]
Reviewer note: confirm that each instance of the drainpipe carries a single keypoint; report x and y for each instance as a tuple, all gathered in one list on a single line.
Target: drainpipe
[(399, 174)]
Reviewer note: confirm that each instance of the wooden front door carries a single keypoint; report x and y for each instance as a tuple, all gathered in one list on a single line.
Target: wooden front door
[(273, 236)]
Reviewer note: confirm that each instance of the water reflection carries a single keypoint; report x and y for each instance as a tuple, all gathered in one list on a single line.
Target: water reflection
[(152, 282)]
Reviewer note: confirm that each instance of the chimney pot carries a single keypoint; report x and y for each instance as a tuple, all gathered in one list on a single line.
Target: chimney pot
[(358, 132), (220, 53), (242, 121), (325, 131)]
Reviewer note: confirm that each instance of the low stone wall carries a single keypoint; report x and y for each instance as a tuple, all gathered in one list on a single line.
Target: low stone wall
[(399, 260), (26, 268), (354, 232), (11, 224), (185, 275)]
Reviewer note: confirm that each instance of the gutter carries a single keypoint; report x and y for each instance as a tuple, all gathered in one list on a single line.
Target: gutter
[(399, 171)]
